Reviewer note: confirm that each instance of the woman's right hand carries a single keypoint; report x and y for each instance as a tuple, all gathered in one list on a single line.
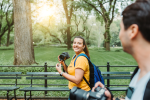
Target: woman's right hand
[(61, 61)]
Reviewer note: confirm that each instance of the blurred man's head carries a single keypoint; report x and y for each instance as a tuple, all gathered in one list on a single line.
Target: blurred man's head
[(135, 23)]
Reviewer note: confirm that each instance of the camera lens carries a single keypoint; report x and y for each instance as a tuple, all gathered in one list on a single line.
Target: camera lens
[(61, 57), (78, 94), (64, 56)]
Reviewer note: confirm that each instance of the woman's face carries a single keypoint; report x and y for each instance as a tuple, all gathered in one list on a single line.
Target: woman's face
[(78, 45)]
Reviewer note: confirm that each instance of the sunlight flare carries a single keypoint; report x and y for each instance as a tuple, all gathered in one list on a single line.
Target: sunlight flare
[(46, 11)]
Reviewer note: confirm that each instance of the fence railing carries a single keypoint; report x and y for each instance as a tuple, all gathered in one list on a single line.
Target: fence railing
[(108, 66)]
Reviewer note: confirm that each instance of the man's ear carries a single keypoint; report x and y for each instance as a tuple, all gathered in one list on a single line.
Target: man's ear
[(134, 29)]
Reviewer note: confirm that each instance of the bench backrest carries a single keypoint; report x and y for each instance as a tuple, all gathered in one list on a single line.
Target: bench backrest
[(116, 75), (55, 76), (10, 75)]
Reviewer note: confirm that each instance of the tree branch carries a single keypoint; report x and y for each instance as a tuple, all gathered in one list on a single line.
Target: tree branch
[(7, 15), (110, 2), (50, 33), (103, 10), (65, 8), (71, 10), (93, 7), (113, 12)]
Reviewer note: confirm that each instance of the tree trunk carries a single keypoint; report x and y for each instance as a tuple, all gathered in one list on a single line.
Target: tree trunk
[(68, 34), (68, 13), (107, 46), (107, 37), (8, 36), (23, 42), (104, 40), (0, 41)]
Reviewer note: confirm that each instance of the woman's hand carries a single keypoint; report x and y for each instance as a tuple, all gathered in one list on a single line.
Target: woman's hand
[(58, 67)]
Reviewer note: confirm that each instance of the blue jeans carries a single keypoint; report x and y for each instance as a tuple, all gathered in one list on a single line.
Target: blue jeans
[(69, 95)]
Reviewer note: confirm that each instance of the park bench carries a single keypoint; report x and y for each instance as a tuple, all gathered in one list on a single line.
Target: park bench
[(55, 76), (108, 76), (42, 75), (10, 75)]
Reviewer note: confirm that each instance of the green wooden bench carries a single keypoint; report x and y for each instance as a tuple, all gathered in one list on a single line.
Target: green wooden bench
[(42, 76), (116, 76), (10, 75), (55, 76)]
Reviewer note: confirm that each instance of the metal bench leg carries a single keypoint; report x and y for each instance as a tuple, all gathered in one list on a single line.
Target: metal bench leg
[(15, 94), (7, 95), (30, 95), (25, 95)]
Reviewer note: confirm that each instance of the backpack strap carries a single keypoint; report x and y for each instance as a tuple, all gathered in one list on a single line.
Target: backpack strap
[(147, 91), (135, 71), (86, 81), (82, 54), (73, 57)]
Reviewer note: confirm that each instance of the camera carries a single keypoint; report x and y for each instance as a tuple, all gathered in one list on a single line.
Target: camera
[(64, 56), (79, 94)]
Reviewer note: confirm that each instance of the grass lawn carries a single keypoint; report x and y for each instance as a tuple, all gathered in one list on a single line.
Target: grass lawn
[(49, 54)]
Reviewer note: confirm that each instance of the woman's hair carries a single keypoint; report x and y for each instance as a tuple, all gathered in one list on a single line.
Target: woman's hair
[(84, 43)]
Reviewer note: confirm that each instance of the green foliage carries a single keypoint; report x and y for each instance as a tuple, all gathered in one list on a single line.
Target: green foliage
[(100, 18), (114, 31), (6, 13), (7, 48), (119, 50)]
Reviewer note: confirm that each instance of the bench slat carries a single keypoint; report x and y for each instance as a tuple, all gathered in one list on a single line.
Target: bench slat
[(64, 89), (10, 73), (10, 77), (42, 73), (45, 89), (116, 72), (117, 77), (105, 77), (118, 88), (45, 78), (56, 73), (8, 88)]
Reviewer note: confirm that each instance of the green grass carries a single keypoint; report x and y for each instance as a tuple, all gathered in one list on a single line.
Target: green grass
[(50, 55)]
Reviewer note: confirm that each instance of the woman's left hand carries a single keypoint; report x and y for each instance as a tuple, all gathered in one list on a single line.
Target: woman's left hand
[(58, 67)]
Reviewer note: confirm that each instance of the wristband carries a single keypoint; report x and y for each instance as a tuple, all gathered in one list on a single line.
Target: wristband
[(61, 73)]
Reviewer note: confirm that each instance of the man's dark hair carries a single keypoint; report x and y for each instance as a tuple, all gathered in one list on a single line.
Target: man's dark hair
[(138, 13)]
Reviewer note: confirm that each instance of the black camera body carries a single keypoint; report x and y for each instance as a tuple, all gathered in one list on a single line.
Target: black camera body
[(79, 94), (64, 56)]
